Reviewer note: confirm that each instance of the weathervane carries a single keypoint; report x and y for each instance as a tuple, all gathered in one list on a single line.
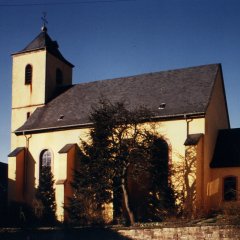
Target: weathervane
[(45, 22)]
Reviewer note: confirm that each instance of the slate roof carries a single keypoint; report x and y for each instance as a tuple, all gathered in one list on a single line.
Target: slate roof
[(168, 94), (16, 151), (44, 41), (193, 139), (66, 148), (227, 150)]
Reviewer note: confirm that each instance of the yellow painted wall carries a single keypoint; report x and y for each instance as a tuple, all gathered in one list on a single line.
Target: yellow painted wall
[(215, 186), (216, 118), (20, 116), (26, 98), (64, 178), (22, 94), (12, 178), (59, 193), (175, 132), (61, 168), (199, 176), (52, 63), (54, 142), (71, 164), (16, 177)]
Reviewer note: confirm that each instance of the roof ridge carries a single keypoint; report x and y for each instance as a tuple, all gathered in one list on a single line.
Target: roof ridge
[(149, 73)]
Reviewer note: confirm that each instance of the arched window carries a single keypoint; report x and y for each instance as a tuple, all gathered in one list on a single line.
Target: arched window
[(28, 74), (45, 159), (147, 178), (160, 159), (230, 188), (59, 77)]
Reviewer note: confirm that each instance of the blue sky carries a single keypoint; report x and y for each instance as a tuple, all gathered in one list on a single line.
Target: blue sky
[(113, 38)]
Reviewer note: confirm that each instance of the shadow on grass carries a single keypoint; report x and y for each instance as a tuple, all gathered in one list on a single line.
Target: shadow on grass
[(60, 234)]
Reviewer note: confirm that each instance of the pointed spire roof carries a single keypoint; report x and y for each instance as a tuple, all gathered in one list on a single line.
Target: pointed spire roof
[(44, 41)]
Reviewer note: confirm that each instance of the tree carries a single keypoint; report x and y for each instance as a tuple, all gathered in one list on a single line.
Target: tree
[(185, 173), (119, 152), (45, 196)]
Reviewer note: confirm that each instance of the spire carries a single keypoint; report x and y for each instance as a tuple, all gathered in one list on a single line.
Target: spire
[(45, 22)]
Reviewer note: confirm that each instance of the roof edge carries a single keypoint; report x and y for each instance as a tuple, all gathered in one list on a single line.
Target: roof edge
[(219, 71), (224, 95), (89, 124), (28, 51), (40, 49)]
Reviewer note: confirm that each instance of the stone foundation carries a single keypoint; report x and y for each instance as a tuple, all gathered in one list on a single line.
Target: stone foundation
[(183, 233)]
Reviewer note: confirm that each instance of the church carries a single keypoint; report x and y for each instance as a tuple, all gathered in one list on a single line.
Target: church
[(50, 115)]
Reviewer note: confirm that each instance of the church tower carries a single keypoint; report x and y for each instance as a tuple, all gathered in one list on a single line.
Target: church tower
[(39, 73)]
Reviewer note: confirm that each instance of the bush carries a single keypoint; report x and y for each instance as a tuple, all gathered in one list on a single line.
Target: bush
[(231, 212)]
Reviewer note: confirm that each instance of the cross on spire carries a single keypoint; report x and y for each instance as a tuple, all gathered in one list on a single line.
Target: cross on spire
[(45, 22)]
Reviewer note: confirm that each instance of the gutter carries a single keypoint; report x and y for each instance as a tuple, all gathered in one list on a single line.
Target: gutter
[(89, 124)]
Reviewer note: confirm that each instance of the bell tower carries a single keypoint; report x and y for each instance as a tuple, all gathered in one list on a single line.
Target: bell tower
[(39, 71)]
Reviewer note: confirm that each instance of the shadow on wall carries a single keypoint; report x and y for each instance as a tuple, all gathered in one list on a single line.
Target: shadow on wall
[(185, 181), (30, 178), (18, 211), (21, 180), (70, 234)]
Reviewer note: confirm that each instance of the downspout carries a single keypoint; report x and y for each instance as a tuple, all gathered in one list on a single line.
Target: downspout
[(26, 156), (188, 120)]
